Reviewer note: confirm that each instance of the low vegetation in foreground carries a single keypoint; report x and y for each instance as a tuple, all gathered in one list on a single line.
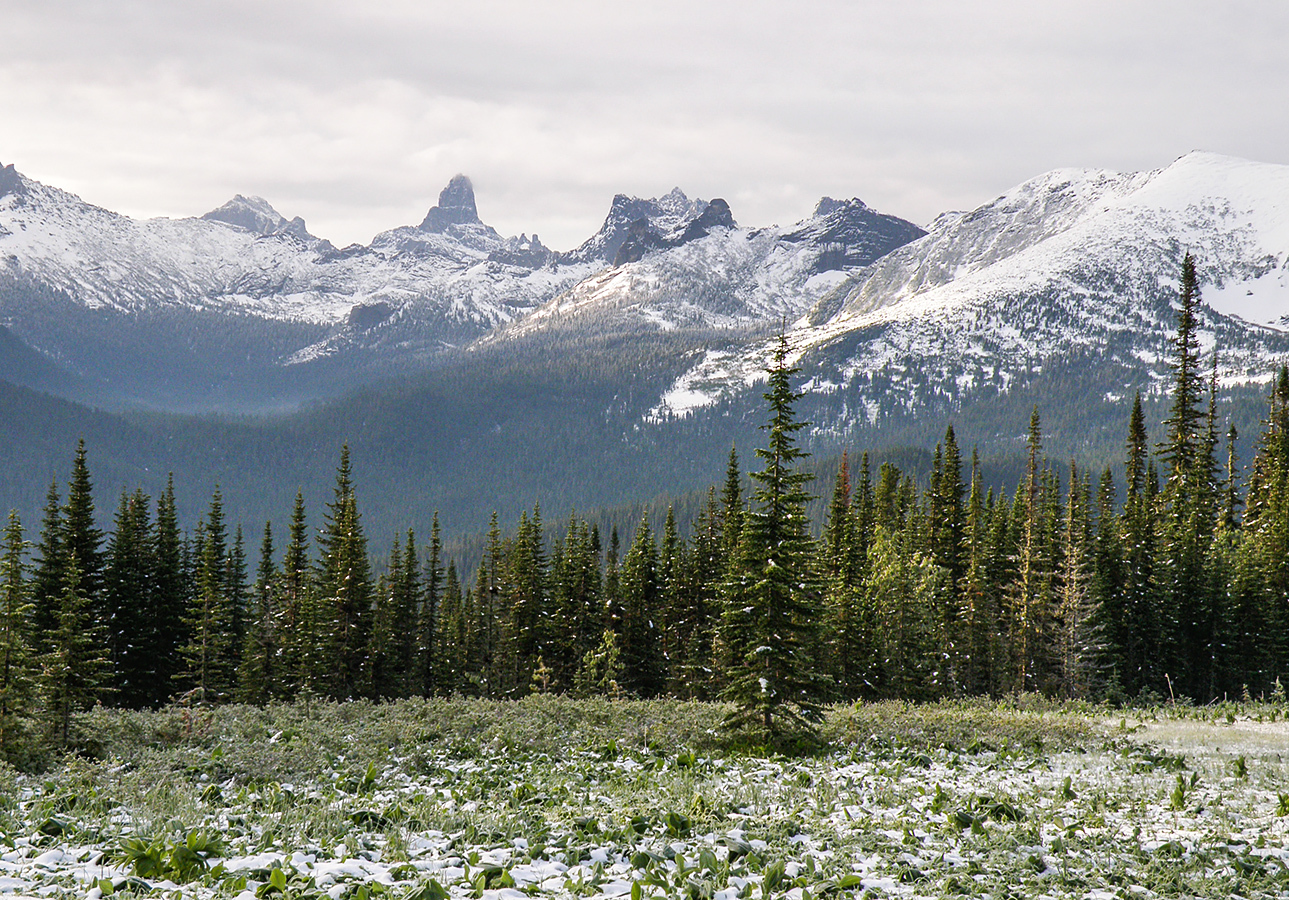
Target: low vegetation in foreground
[(552, 797)]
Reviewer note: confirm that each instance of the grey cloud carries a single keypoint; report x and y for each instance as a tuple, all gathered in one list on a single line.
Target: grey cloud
[(355, 115)]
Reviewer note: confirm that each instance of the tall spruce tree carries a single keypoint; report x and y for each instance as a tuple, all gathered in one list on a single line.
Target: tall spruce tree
[(129, 596), (50, 565), (75, 669), (345, 589), (171, 586), (82, 540), (639, 638), (1032, 597), (17, 670), (772, 609), (1141, 633), (1189, 506), (426, 599), (260, 678), (211, 666)]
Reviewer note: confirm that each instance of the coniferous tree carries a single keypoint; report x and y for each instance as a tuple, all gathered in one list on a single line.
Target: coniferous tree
[(75, 669), (1140, 634), (47, 581), (387, 678), (1107, 586), (978, 593), (261, 678), (904, 589), (452, 635), (703, 573), (771, 611), (1031, 596), (613, 614), (17, 681), (669, 601), (426, 599), (945, 540), (170, 585), (301, 618), (1079, 648), (525, 603), (1263, 607), (1189, 503), (129, 598), (639, 638), (493, 666), (235, 576), (210, 664), (344, 589), (82, 540)]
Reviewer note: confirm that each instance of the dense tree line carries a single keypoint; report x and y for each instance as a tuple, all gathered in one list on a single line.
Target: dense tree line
[(1178, 589)]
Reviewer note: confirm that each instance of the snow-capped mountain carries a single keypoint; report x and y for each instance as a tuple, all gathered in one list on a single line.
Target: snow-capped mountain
[(122, 285), (246, 258), (1072, 262), (708, 273)]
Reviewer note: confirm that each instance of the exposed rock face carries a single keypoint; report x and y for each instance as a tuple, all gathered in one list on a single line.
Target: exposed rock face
[(644, 237), (256, 215), (456, 207), (716, 215), (827, 205), (665, 216), (641, 239), (10, 180), (851, 234)]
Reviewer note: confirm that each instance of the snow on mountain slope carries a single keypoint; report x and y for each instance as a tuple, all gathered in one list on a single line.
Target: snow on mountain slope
[(667, 216), (1072, 261), (246, 258), (712, 274)]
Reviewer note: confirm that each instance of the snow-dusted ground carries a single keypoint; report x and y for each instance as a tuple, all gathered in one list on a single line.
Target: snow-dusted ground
[(1172, 808)]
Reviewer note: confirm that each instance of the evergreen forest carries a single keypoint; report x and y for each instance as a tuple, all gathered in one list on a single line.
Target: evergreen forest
[(913, 589)]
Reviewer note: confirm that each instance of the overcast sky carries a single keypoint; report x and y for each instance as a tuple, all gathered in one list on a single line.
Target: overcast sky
[(355, 114)]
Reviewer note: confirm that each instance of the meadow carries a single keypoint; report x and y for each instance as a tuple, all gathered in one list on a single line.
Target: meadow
[(550, 797)]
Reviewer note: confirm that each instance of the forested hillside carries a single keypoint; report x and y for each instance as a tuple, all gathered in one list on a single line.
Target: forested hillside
[(1176, 587)]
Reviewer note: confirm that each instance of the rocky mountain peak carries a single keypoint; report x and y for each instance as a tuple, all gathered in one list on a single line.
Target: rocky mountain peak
[(715, 215), (10, 180), (455, 207), (258, 216), (827, 206)]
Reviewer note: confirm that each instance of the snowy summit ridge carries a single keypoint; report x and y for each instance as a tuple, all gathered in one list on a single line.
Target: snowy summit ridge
[(1073, 261)]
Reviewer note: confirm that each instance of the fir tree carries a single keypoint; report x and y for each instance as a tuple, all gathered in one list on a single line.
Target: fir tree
[(389, 677), (76, 667), (638, 637), (1141, 632), (426, 600), (210, 666), (452, 635), (980, 608), (81, 538), (525, 603), (1189, 504), (1079, 648), (47, 582), (261, 678), (772, 610), (170, 585), (344, 589), (17, 682), (1031, 595), (129, 596), (301, 619)]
